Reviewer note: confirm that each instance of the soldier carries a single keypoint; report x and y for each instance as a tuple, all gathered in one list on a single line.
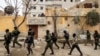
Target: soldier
[(29, 43), (96, 39), (75, 45), (15, 35), (49, 42), (88, 40), (7, 38), (31, 32), (54, 38), (66, 36)]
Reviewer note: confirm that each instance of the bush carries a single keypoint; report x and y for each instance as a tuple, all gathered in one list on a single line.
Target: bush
[(92, 18)]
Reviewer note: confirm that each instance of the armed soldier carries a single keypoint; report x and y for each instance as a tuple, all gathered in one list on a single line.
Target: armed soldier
[(31, 32), (75, 45), (88, 39), (96, 39), (66, 36), (54, 38), (16, 33), (29, 43), (49, 43), (7, 39)]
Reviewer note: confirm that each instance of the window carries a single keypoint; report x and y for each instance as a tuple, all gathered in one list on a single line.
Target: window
[(71, 0), (34, 15), (41, 0), (88, 5), (34, 7), (64, 0), (96, 5), (77, 0), (41, 8), (34, 0)]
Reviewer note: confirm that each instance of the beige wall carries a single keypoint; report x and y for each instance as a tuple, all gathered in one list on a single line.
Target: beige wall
[(6, 22)]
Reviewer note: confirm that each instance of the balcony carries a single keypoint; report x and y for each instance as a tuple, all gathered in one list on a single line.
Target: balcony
[(36, 21)]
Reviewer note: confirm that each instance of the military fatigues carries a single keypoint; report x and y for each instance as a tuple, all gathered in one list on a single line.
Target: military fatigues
[(96, 40), (75, 45), (15, 35), (29, 43), (54, 38), (30, 32), (66, 36), (49, 44), (88, 38), (7, 38)]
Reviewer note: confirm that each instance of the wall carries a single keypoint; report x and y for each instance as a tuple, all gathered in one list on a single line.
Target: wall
[(6, 22)]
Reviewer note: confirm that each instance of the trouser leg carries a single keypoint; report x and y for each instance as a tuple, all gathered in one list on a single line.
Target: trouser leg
[(64, 44), (14, 41), (29, 48), (45, 49), (73, 46), (52, 52), (33, 44), (68, 44), (78, 48), (56, 45), (95, 46), (18, 43), (7, 48)]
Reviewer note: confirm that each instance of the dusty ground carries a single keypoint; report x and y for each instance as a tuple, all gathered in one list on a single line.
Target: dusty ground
[(40, 45)]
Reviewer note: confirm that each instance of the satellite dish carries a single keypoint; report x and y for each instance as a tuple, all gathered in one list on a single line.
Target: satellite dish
[(9, 9)]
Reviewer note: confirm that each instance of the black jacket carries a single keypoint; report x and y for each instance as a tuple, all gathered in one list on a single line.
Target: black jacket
[(7, 38)]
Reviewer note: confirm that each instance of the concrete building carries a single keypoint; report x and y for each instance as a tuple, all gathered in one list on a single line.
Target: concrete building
[(40, 24), (64, 8)]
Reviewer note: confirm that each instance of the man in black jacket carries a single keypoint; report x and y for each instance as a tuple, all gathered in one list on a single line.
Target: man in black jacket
[(31, 32), (16, 33), (96, 39), (54, 38), (29, 42), (49, 42), (7, 39), (66, 36)]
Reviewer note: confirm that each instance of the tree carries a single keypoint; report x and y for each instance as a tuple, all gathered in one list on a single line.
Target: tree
[(92, 18), (13, 7)]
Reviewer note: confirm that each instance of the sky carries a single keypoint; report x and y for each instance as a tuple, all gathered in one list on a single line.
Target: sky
[(3, 4)]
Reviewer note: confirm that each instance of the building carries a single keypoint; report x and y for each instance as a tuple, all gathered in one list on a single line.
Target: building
[(41, 6)]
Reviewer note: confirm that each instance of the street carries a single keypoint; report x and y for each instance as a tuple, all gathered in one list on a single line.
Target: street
[(39, 48)]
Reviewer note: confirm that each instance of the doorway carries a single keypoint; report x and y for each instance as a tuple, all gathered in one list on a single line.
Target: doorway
[(35, 29)]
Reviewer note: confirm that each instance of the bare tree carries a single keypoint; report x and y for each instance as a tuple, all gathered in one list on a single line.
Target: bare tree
[(16, 4), (27, 10), (54, 18)]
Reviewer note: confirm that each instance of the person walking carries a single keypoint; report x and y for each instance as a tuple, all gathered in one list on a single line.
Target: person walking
[(96, 39), (88, 38), (31, 32), (49, 43), (75, 45), (66, 36), (54, 38), (7, 39), (16, 33), (29, 42)]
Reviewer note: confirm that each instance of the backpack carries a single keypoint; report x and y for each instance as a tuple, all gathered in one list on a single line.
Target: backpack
[(15, 32)]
